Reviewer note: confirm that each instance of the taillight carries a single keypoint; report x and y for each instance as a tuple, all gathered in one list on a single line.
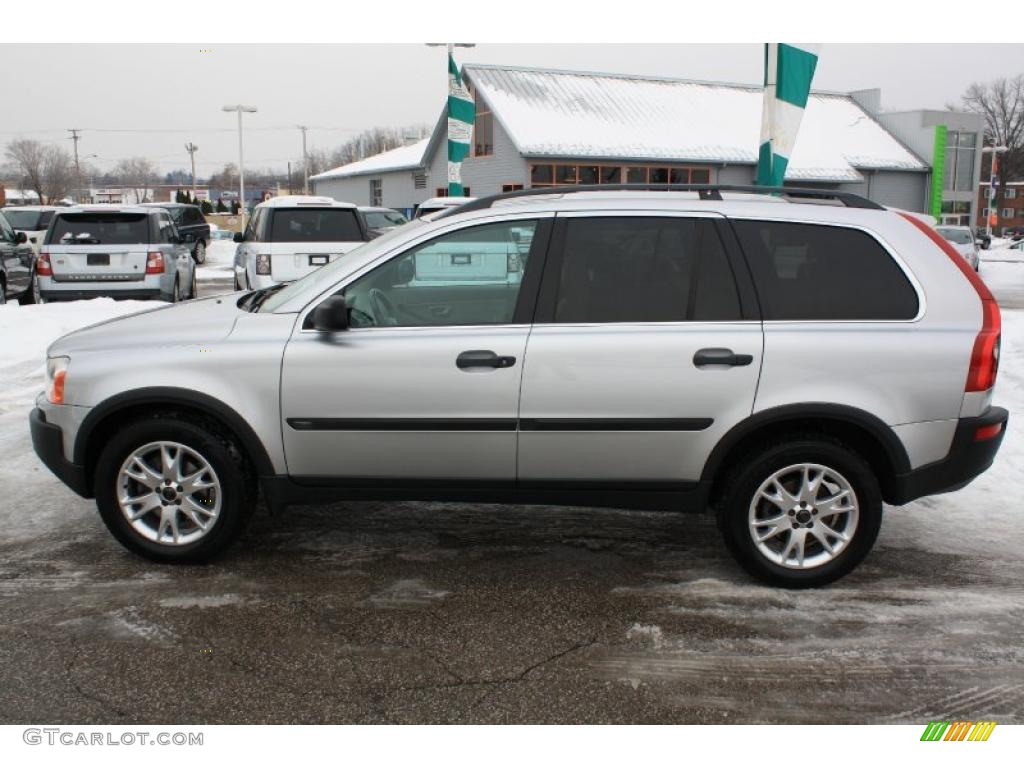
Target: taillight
[(43, 265), (154, 263), (987, 433), (985, 356), (263, 264)]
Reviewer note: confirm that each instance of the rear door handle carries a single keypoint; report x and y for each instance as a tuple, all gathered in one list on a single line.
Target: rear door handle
[(483, 358), (720, 356)]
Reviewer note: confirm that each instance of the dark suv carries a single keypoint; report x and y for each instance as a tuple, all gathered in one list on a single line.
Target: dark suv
[(189, 220)]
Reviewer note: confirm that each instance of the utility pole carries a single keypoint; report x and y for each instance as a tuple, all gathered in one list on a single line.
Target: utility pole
[(76, 137), (993, 205), (192, 149), (240, 108), (305, 160)]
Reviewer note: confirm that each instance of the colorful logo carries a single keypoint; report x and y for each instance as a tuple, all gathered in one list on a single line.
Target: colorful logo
[(958, 730)]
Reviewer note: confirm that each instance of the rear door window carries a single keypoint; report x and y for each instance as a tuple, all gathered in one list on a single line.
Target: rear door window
[(636, 269), (99, 229), (315, 225), (821, 272)]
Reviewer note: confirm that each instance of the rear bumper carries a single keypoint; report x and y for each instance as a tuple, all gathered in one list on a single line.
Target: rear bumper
[(968, 457), (113, 293), (48, 443)]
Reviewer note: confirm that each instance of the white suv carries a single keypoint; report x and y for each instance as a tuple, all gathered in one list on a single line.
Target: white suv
[(290, 236), (791, 361)]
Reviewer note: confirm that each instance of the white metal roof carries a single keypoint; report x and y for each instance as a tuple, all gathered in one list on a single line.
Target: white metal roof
[(552, 113), (403, 158)]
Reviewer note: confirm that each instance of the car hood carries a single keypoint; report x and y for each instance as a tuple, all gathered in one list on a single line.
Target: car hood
[(192, 322)]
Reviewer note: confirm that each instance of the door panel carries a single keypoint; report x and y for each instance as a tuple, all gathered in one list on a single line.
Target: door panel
[(613, 386), (400, 404)]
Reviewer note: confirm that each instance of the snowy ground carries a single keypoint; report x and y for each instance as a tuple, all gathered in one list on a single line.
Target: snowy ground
[(383, 612)]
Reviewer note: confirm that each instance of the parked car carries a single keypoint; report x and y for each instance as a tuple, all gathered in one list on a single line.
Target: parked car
[(122, 251), (221, 234), (791, 364), (1014, 233), (380, 220), (292, 235), (963, 243), (17, 265), (32, 220), (436, 204), (189, 220)]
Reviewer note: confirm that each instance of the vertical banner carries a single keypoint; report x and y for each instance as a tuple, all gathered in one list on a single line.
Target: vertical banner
[(938, 171), (461, 114), (788, 71)]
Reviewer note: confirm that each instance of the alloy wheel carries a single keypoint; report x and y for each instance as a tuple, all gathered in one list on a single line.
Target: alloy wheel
[(169, 493), (803, 516)]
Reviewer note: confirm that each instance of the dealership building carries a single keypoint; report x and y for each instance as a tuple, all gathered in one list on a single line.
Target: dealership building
[(542, 128)]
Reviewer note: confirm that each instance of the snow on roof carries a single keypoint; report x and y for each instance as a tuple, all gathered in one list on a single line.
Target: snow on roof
[(550, 113), (407, 157), (20, 194)]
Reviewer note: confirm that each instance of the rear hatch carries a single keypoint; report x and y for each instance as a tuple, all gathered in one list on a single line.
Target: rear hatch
[(99, 247), (307, 237)]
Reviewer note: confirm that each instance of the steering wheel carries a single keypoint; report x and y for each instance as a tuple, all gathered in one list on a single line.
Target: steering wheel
[(384, 311)]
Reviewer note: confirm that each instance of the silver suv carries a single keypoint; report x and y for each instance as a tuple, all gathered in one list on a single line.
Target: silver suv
[(791, 361), (123, 251)]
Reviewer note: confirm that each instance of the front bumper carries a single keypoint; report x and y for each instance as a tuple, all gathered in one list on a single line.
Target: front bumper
[(968, 457), (48, 442)]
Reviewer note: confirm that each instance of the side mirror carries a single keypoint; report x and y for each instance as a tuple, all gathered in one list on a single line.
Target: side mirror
[(20, 238), (331, 316), (238, 237)]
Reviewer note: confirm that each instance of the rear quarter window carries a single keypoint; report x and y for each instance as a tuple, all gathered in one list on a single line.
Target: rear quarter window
[(822, 272)]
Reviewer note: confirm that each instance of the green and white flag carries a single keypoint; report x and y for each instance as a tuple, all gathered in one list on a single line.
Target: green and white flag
[(788, 71), (461, 115)]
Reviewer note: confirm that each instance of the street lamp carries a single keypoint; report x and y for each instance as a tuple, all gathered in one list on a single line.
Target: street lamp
[(240, 108), (992, 207)]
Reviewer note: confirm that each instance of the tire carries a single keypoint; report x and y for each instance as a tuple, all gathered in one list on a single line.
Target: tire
[(3, 292), (193, 291), (743, 510), (199, 254), (176, 291), (233, 497), (31, 296)]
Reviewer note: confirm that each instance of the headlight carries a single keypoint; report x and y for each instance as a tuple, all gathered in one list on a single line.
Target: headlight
[(56, 373), (263, 264)]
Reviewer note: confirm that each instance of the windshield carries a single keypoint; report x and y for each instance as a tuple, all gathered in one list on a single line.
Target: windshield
[(100, 229), (315, 225), (27, 220), (383, 219), (958, 236), (326, 275)]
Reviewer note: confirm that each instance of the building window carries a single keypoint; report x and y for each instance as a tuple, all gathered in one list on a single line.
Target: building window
[(483, 131), (511, 187), (960, 153), (1006, 213), (1010, 194), (376, 192), (984, 213), (419, 181), (555, 175)]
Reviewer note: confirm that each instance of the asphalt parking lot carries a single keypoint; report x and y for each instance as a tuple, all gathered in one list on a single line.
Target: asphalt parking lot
[(443, 613)]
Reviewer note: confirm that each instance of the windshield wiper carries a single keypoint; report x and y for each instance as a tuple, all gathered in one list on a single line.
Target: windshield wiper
[(255, 300)]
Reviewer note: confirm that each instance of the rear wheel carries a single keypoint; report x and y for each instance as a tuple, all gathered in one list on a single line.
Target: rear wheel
[(3, 292), (801, 513), (31, 296), (173, 489), (199, 254), (176, 292), (193, 291)]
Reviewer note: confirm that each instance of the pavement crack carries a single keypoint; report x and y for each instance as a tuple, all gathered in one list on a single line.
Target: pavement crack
[(69, 676)]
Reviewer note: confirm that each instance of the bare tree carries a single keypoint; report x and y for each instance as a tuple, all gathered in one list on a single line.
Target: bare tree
[(370, 142), (1001, 102), (27, 157), (58, 173), (137, 175)]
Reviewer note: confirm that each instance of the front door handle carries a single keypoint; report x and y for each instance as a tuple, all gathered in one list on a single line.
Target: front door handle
[(483, 358), (720, 356)]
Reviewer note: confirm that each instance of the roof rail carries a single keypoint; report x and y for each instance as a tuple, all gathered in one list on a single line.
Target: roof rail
[(705, 191)]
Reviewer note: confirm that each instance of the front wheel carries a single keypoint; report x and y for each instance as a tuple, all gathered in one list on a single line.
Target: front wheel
[(173, 490), (200, 253), (801, 513)]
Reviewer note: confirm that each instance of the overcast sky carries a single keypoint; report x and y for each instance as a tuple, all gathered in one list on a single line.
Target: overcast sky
[(150, 100)]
